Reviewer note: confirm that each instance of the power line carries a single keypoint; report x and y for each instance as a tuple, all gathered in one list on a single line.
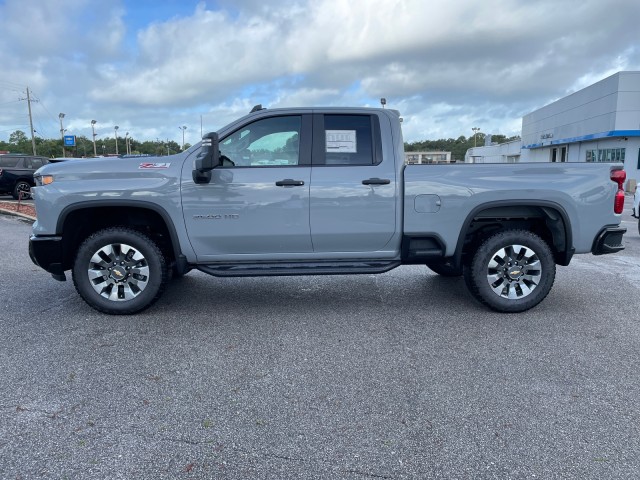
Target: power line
[(53, 117), (7, 103), (13, 84)]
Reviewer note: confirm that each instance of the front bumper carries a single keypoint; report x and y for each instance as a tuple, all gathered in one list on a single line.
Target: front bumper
[(609, 240), (46, 252)]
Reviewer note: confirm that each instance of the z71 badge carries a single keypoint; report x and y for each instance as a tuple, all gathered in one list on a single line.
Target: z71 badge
[(153, 165)]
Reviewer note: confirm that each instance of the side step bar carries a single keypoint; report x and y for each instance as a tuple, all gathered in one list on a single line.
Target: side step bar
[(298, 268)]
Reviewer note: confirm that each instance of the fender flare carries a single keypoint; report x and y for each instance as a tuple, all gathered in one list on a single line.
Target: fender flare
[(545, 205), (140, 204)]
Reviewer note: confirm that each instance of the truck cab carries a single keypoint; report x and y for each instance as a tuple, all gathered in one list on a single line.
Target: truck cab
[(305, 184)]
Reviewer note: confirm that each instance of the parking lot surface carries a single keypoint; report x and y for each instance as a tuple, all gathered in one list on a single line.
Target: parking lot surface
[(400, 375)]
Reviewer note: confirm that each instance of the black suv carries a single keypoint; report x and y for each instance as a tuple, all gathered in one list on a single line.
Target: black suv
[(16, 173)]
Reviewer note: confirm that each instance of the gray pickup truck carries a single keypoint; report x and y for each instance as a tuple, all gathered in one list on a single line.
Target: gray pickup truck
[(315, 192)]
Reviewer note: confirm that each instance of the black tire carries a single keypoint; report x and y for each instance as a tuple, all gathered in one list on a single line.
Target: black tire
[(119, 271), (511, 272), (445, 269), (21, 186)]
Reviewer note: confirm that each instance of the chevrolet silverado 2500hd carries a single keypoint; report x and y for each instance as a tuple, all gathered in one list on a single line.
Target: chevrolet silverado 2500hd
[(317, 191)]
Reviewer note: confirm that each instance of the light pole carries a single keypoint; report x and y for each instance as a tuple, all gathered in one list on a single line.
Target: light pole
[(475, 135), (126, 142), (93, 131), (61, 116), (116, 130), (183, 128)]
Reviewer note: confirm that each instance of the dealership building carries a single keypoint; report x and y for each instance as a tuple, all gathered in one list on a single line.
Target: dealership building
[(600, 123)]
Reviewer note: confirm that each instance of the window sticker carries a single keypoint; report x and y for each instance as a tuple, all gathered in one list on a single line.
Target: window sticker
[(341, 141)]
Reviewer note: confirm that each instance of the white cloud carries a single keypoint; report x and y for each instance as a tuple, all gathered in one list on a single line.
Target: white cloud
[(447, 65)]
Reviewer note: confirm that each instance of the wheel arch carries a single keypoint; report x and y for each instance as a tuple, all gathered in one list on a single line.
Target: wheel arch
[(548, 219), (77, 222)]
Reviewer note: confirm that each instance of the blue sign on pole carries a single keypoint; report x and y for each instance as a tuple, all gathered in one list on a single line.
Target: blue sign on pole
[(69, 140)]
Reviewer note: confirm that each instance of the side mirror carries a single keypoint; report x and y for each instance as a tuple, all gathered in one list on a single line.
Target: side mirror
[(208, 158)]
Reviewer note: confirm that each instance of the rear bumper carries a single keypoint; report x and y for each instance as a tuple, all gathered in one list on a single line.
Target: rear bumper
[(609, 240), (46, 252)]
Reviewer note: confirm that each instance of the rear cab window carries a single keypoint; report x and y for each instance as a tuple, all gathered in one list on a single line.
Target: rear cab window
[(347, 140)]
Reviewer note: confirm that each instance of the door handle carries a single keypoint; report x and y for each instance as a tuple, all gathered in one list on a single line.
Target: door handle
[(376, 181), (288, 182)]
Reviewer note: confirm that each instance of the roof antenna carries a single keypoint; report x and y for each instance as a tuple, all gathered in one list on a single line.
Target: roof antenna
[(257, 108)]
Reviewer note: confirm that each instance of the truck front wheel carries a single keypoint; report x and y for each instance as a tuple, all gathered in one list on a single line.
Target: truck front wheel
[(119, 271), (512, 271)]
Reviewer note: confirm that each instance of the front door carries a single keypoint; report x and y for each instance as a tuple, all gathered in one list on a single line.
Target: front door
[(256, 206)]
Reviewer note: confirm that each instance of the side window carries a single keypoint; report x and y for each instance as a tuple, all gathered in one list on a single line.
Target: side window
[(36, 163), (351, 139), (8, 162), (264, 143), (26, 162)]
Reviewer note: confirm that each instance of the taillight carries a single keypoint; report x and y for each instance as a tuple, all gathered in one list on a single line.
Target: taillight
[(619, 176)]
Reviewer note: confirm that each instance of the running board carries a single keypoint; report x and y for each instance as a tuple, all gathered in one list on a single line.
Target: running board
[(298, 268)]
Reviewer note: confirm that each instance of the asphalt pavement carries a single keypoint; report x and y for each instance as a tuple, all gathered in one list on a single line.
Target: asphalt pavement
[(400, 375)]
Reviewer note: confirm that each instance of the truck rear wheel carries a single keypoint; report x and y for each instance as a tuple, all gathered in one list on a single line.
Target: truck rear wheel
[(512, 271), (119, 271)]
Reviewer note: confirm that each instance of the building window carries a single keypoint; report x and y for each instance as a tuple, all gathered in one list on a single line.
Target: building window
[(606, 155)]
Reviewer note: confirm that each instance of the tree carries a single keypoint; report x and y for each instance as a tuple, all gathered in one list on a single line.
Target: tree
[(458, 147), (17, 137)]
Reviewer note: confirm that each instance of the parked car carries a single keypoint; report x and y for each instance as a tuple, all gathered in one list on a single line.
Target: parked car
[(16, 173)]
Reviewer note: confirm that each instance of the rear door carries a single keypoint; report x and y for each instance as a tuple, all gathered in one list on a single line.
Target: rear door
[(353, 188)]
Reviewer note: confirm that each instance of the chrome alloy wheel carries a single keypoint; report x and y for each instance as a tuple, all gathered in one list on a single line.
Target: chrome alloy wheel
[(514, 272), (118, 272)]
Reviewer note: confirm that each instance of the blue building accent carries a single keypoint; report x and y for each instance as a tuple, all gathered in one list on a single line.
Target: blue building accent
[(591, 136)]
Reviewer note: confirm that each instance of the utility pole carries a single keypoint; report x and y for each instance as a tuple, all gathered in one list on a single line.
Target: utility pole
[(61, 116), (475, 136), (93, 131), (33, 139), (183, 128)]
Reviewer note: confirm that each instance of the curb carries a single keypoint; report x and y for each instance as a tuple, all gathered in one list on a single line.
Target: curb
[(16, 214)]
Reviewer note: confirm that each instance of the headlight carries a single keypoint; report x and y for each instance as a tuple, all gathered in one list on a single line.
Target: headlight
[(43, 180)]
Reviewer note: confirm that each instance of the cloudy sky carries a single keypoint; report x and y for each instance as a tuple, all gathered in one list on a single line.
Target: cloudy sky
[(151, 66)]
